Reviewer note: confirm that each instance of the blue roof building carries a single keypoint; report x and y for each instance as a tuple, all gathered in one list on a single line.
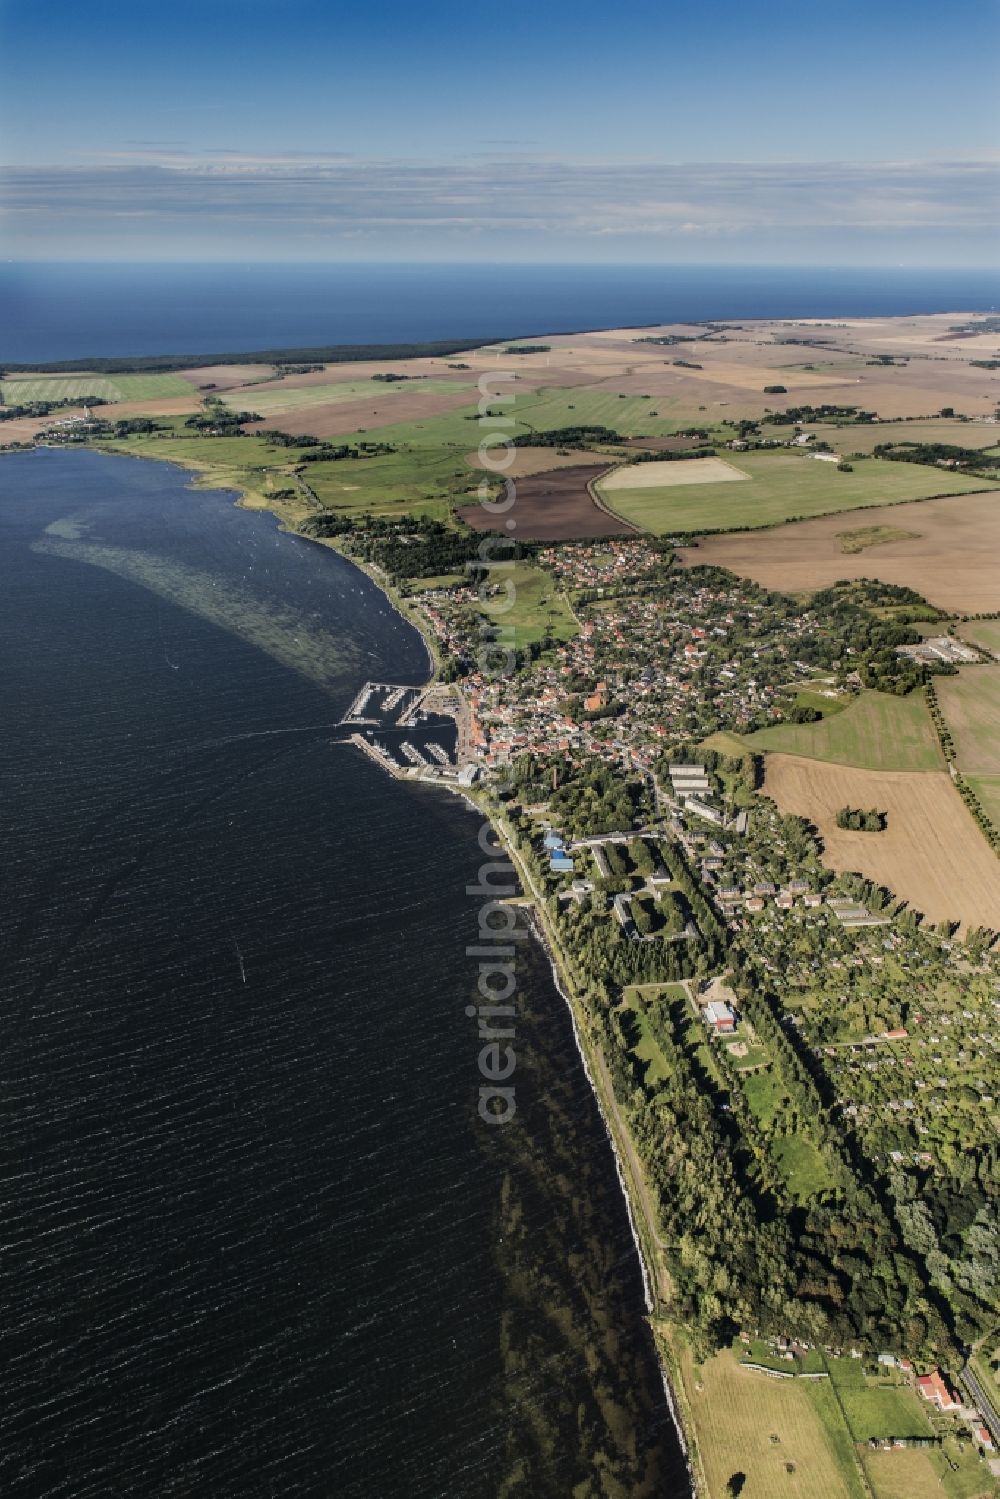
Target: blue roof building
[(561, 863)]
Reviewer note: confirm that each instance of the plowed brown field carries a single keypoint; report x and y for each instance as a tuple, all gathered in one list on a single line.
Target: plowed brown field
[(556, 506)]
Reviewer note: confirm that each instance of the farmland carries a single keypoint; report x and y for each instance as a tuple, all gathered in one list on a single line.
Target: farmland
[(863, 438), (987, 789), (984, 632), (786, 1435), (672, 474), (20, 392), (970, 703), (950, 559), (876, 732), (918, 1473), (931, 854), (282, 397), (782, 486), (553, 506)]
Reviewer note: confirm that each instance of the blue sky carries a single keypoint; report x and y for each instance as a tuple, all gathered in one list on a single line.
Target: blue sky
[(268, 129)]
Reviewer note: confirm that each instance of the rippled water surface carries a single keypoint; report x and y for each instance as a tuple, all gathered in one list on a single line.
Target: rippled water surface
[(255, 1239)]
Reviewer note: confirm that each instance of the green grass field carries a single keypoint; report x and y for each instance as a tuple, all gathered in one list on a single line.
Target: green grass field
[(151, 387), (648, 1048), (106, 388), (786, 1435), (782, 486), (970, 703), (916, 1473), (877, 732), (797, 1158), (985, 632), (281, 398), (413, 481), (539, 609), (890, 1411), (632, 416), (987, 789)]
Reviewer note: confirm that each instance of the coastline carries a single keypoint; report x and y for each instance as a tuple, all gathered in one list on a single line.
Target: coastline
[(628, 1167)]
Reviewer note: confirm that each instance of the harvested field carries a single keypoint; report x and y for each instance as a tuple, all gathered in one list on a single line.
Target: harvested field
[(931, 854), (170, 406), (536, 461), (341, 417), (750, 1424), (18, 392), (22, 429), (673, 472), (970, 703), (227, 376), (553, 507), (951, 559)]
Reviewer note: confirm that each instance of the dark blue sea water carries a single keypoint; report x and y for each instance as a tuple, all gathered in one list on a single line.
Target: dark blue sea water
[(61, 311), (255, 1241)]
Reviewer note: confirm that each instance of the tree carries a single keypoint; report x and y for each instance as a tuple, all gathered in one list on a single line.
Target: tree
[(734, 1486)]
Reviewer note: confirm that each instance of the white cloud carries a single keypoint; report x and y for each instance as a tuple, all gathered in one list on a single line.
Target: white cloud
[(536, 201)]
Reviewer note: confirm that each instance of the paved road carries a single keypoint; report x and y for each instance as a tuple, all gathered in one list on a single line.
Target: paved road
[(983, 1400)]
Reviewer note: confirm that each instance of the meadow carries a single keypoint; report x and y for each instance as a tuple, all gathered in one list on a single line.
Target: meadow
[(875, 732), (800, 1163), (786, 1435), (919, 1473), (782, 486), (539, 609), (984, 632)]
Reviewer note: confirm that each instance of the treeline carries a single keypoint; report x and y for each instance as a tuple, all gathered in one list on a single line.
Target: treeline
[(220, 420), (859, 821), (318, 450), (44, 408), (415, 547), (658, 455), (849, 621), (985, 823), (935, 454), (322, 354), (795, 415), (580, 436)]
